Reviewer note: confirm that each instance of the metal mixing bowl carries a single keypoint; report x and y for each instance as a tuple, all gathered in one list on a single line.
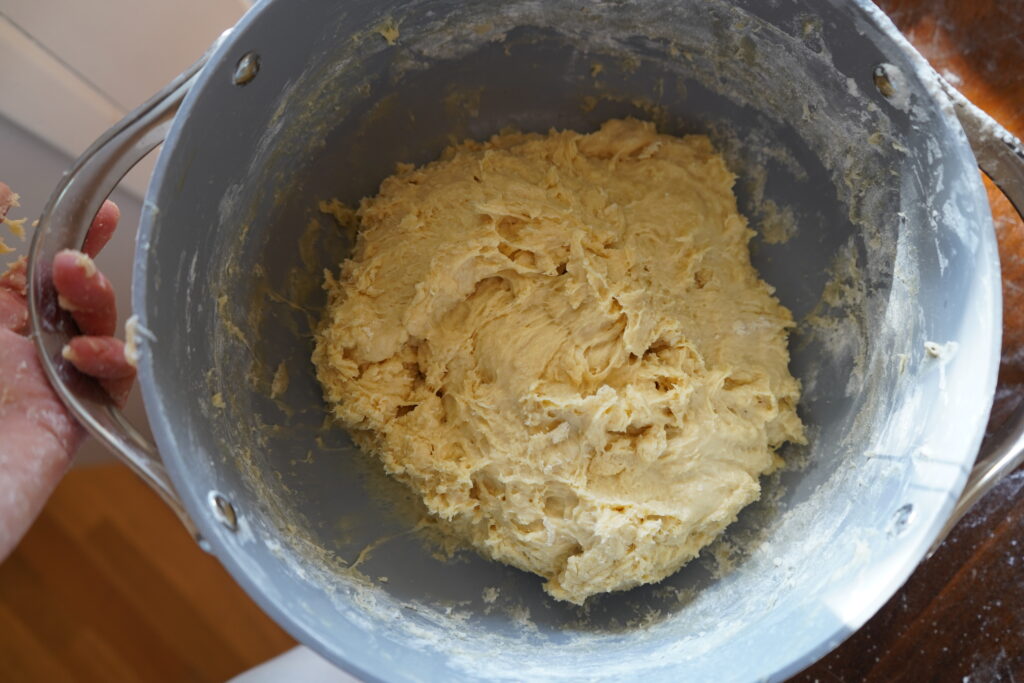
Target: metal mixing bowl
[(837, 132)]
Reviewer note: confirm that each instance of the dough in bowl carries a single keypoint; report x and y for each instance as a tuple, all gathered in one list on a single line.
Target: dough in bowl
[(559, 342)]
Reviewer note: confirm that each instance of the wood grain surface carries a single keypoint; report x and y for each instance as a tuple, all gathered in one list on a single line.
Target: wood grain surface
[(108, 587)]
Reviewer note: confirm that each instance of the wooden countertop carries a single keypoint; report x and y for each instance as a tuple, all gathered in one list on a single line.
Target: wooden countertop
[(960, 617)]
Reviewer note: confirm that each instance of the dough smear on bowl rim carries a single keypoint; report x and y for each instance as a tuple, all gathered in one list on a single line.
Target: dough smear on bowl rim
[(559, 342)]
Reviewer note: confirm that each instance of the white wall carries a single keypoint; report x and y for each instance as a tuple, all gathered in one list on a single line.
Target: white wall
[(72, 68), (69, 69)]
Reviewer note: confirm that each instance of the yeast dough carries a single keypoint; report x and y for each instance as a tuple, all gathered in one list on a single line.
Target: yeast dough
[(559, 342)]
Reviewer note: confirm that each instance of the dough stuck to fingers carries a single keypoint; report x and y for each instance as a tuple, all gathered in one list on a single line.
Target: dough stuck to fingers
[(85, 293), (559, 342)]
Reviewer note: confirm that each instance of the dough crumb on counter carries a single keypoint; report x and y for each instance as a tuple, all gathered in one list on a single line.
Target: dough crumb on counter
[(559, 342)]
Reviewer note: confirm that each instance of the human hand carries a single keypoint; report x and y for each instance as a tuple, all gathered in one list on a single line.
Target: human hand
[(37, 434)]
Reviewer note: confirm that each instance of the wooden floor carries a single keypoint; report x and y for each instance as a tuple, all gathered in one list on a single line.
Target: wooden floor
[(107, 586)]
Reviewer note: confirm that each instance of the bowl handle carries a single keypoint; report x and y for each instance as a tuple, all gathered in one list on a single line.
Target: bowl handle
[(1001, 156), (63, 224)]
